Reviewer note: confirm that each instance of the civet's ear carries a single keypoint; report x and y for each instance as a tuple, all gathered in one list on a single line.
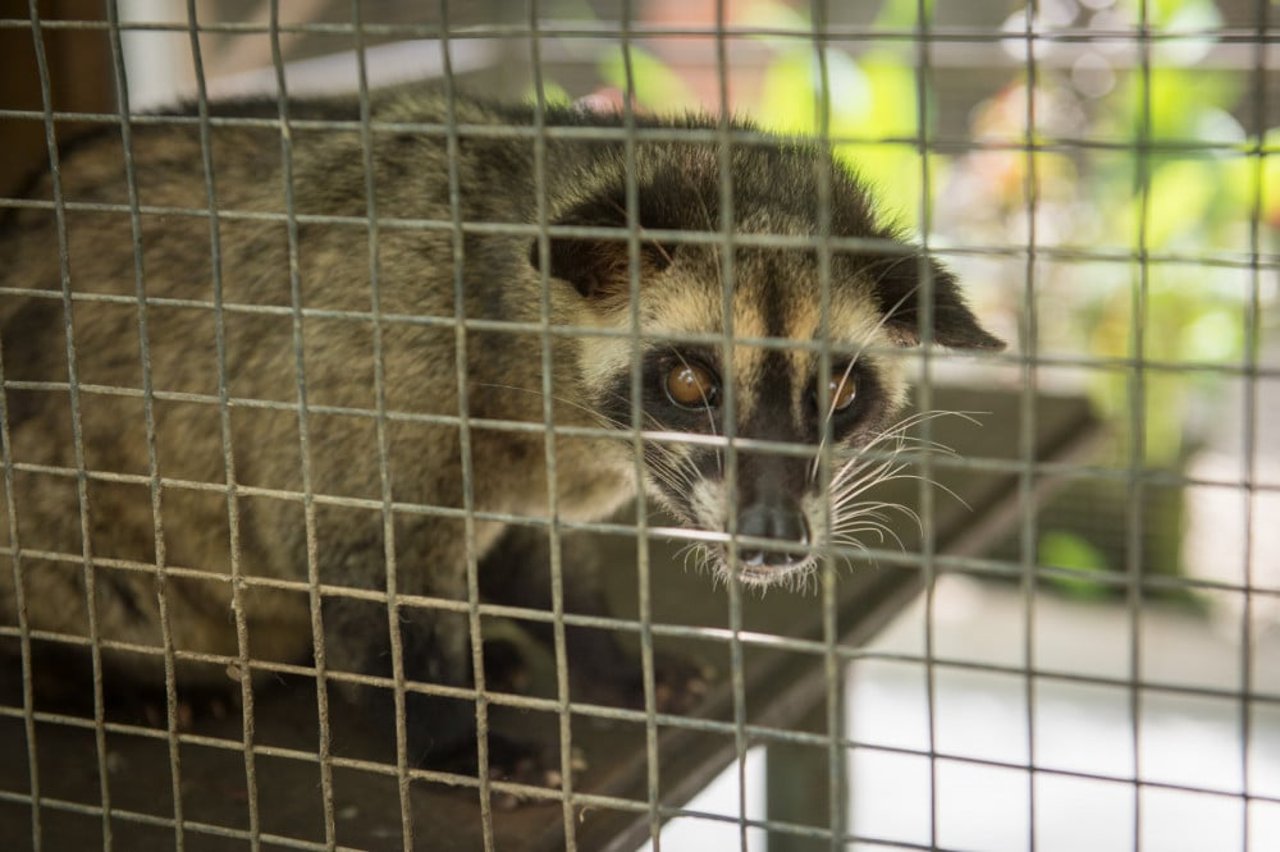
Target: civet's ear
[(899, 289), (599, 267)]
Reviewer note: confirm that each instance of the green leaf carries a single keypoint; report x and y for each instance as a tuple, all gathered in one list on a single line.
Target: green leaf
[(1062, 549), (657, 86), (789, 93), (1181, 14), (1180, 195), (553, 93), (871, 99), (1180, 96), (890, 111), (1244, 179), (774, 15), (902, 14)]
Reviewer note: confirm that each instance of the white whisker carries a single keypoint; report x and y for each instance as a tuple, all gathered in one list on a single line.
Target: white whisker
[(853, 517)]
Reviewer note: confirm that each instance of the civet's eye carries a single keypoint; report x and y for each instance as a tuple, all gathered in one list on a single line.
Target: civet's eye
[(692, 385), (844, 389)]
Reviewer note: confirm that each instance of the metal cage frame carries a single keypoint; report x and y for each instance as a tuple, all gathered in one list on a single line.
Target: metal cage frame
[(945, 546)]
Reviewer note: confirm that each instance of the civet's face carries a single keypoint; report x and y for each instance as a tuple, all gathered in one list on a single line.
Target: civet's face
[(770, 386)]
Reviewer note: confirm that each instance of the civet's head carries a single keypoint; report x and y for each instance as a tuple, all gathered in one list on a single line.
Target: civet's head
[(770, 377)]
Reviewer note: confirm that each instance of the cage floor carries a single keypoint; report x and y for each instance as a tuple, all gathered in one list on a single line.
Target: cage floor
[(781, 685)]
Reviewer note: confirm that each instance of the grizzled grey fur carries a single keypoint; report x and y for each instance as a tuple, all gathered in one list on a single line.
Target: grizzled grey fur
[(679, 188)]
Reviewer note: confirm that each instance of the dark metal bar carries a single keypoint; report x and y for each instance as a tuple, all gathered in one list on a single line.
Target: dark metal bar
[(148, 411), (380, 422), (1029, 330), (304, 441), (910, 36), (242, 662), (464, 434), (77, 431), (1249, 438)]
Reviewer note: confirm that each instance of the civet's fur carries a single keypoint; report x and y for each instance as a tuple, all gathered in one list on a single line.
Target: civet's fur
[(776, 293)]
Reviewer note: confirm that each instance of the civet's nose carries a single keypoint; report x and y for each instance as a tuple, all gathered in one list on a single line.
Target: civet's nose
[(782, 522)]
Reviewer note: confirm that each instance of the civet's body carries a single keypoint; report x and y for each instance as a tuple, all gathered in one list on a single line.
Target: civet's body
[(309, 486)]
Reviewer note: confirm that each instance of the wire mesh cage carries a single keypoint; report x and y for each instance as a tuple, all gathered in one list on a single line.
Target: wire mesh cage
[(375, 376)]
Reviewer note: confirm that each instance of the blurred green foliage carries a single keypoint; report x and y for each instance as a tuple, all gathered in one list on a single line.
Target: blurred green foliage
[(873, 98), (656, 86), (1062, 549)]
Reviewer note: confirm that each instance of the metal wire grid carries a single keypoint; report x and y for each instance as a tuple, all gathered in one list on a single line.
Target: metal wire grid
[(835, 655)]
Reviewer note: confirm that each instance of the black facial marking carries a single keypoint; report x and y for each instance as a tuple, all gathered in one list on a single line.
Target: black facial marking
[(774, 301), (764, 475), (599, 267), (771, 415)]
